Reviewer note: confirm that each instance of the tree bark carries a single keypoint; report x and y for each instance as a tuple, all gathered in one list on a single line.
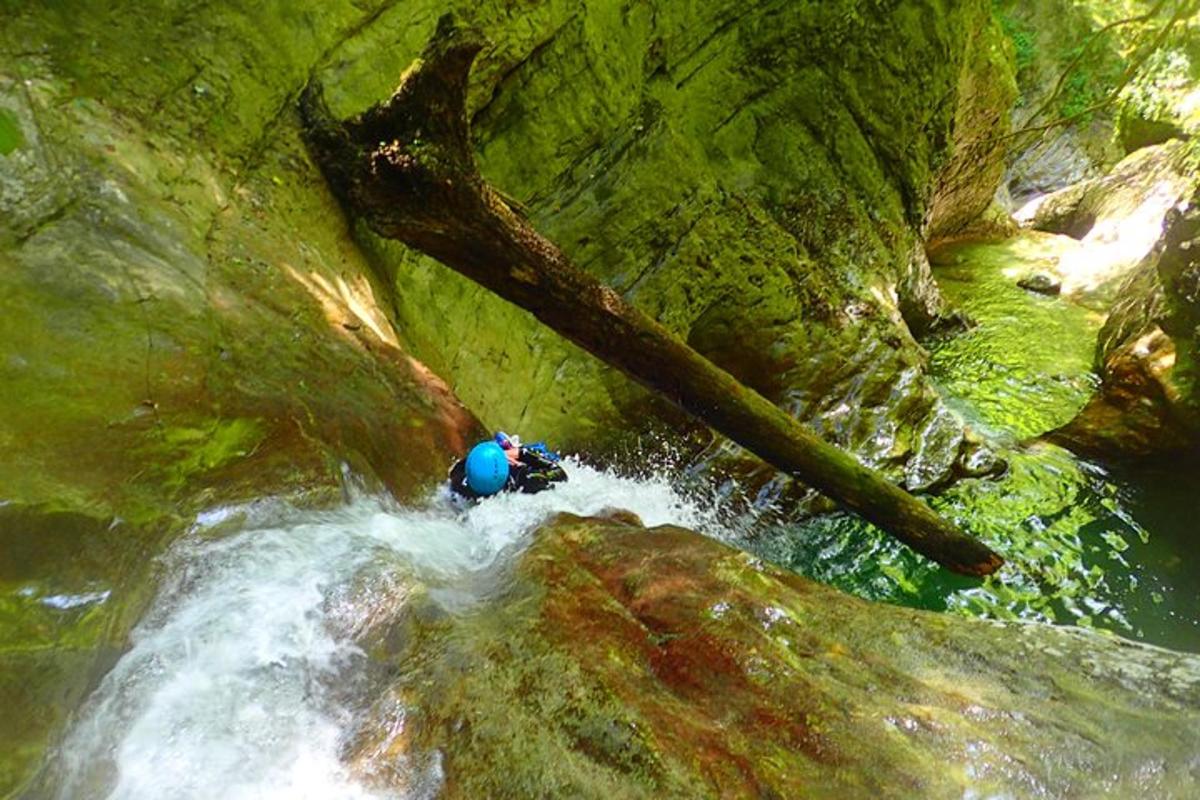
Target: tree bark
[(407, 167)]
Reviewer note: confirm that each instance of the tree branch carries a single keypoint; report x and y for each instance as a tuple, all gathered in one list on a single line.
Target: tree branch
[(1182, 10), (407, 167), (1095, 37)]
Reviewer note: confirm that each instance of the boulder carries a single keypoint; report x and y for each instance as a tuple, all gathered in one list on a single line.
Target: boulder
[(1117, 218), (1148, 354), (630, 662), (1041, 282)]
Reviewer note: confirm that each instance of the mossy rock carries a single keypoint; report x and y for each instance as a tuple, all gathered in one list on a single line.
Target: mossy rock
[(1159, 104), (188, 320), (756, 179), (684, 134), (1048, 37), (630, 662), (176, 333)]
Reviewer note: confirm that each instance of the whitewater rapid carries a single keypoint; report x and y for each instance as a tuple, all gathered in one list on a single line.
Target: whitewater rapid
[(241, 680)]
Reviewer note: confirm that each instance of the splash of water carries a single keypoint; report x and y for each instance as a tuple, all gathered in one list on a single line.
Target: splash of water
[(241, 679)]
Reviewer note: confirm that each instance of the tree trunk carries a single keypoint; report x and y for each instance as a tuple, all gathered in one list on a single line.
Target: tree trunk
[(407, 167)]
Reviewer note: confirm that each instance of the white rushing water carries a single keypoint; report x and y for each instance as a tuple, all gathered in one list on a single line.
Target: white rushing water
[(237, 680)]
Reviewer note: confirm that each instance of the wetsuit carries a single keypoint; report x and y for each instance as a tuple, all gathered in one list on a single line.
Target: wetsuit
[(534, 474)]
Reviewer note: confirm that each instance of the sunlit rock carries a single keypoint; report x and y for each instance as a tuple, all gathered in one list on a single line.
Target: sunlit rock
[(1148, 354), (1117, 218)]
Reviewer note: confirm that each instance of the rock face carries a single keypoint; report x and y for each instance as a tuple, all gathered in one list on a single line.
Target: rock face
[(756, 177), (1117, 217), (1046, 36), (967, 183), (1072, 55), (183, 324), (1148, 354), (625, 662), (187, 320)]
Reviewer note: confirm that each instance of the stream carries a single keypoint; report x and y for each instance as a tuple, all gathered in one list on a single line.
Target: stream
[(1085, 544), (245, 679)]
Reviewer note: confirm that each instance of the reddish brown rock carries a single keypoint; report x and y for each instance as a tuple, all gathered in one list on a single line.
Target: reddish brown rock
[(626, 662)]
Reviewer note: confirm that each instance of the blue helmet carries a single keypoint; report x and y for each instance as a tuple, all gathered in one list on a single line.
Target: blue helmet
[(487, 468)]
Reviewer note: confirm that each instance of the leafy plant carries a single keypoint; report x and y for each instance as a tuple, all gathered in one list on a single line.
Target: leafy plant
[(1022, 37)]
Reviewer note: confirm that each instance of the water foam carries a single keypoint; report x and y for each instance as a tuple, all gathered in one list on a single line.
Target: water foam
[(235, 685)]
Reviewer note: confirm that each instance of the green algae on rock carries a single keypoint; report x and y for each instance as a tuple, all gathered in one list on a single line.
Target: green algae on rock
[(11, 136), (1026, 366), (967, 183), (745, 174), (621, 661), (1082, 548), (175, 334), (407, 168)]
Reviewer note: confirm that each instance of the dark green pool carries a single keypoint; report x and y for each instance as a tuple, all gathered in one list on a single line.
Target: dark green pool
[(1085, 544)]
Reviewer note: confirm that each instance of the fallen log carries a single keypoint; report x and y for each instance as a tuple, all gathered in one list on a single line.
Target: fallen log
[(406, 166)]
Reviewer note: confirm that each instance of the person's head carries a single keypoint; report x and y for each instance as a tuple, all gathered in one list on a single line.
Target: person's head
[(507, 442), (487, 468)]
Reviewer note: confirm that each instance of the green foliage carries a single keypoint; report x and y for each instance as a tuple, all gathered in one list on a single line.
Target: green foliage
[(1020, 34), (1090, 80), (1055, 52), (1157, 95)]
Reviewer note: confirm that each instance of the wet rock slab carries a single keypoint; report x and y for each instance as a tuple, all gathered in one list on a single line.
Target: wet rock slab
[(1148, 354), (629, 662), (172, 338)]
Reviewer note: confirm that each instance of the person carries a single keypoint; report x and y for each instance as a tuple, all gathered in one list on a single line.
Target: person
[(502, 464)]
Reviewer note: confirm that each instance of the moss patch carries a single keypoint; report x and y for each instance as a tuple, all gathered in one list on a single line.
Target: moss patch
[(1026, 368), (11, 136), (739, 187)]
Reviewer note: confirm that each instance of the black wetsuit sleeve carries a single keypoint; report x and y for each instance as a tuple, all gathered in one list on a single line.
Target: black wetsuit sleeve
[(537, 473), (458, 480)]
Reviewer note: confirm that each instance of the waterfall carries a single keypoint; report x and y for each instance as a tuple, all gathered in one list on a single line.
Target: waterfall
[(243, 679)]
